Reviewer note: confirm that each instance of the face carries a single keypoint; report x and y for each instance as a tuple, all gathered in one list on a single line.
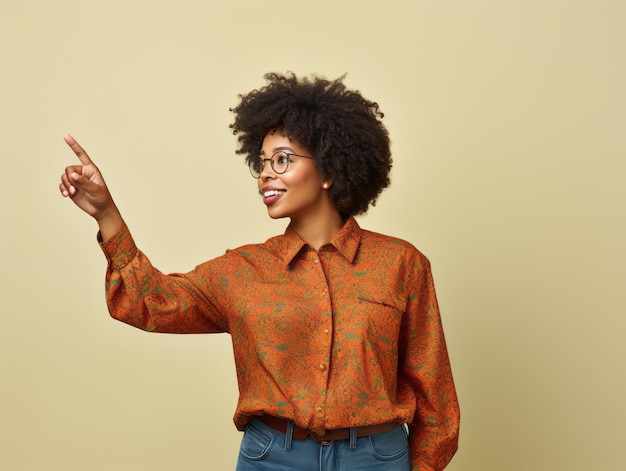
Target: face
[(297, 193)]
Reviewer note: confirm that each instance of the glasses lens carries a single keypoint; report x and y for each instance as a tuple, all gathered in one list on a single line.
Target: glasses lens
[(255, 166), (280, 162)]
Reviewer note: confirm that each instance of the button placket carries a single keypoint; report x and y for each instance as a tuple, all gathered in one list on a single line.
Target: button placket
[(322, 365)]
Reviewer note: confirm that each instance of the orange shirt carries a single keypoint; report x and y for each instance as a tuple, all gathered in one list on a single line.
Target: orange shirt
[(345, 336)]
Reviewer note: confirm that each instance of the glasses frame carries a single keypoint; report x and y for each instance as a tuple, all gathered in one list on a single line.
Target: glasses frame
[(271, 161)]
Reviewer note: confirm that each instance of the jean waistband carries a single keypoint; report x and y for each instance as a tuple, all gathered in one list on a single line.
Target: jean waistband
[(325, 436)]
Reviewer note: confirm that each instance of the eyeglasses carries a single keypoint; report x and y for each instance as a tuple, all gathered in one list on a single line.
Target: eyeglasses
[(279, 162)]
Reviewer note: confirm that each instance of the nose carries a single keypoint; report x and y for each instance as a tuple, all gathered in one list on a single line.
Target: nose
[(267, 172)]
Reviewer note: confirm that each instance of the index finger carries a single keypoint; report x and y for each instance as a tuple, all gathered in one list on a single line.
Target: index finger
[(78, 150)]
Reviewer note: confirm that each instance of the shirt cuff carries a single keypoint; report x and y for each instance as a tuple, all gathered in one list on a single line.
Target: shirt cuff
[(120, 249)]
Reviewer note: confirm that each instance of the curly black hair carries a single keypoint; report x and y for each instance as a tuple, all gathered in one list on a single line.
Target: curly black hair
[(343, 131)]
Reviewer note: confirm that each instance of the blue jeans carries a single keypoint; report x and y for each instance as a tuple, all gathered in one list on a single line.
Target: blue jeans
[(265, 449)]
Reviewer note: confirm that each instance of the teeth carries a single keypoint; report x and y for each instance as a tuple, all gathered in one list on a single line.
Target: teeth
[(269, 193)]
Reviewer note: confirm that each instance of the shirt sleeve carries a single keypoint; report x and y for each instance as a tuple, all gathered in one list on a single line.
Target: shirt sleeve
[(433, 434), (140, 295)]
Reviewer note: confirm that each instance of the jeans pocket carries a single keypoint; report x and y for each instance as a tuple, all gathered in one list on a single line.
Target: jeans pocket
[(255, 445), (389, 445)]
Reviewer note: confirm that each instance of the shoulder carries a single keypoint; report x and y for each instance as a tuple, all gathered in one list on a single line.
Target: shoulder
[(245, 262), (272, 244), (386, 246), (255, 253)]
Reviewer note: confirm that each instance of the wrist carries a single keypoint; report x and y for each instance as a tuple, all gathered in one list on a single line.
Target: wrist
[(109, 223)]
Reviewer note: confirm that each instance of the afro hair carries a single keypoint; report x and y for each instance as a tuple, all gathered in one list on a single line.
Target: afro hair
[(342, 130)]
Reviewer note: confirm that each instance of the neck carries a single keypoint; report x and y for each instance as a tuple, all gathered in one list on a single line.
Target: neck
[(320, 230)]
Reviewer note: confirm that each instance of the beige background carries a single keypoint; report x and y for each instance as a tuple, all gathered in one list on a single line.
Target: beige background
[(507, 120)]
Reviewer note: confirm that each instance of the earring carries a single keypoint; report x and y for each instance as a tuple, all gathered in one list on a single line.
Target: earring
[(325, 186)]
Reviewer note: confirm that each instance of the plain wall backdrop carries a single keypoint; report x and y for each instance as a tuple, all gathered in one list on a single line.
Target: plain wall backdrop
[(507, 120)]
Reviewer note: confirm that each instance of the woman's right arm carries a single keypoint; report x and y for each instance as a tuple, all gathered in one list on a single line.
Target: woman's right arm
[(137, 293)]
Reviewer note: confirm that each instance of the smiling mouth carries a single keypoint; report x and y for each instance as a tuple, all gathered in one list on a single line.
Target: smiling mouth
[(271, 196), (270, 193)]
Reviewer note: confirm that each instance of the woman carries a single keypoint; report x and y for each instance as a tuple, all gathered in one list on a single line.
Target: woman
[(340, 354)]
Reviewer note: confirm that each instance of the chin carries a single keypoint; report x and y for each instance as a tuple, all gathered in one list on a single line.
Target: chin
[(276, 215)]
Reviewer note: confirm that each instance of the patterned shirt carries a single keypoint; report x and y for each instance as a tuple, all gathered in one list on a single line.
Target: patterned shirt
[(346, 336)]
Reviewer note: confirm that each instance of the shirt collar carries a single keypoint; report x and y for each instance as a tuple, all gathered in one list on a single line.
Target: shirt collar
[(346, 242)]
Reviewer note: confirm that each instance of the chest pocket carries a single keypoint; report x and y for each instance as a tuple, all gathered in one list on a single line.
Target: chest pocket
[(380, 312), (383, 296)]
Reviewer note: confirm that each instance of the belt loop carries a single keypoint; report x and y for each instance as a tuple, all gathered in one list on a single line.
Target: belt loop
[(353, 437), (289, 435)]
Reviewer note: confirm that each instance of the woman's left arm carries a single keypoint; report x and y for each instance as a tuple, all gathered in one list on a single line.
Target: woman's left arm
[(433, 438)]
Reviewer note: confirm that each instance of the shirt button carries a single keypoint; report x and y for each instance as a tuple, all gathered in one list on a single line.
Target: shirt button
[(318, 408), (326, 331), (317, 261), (322, 367)]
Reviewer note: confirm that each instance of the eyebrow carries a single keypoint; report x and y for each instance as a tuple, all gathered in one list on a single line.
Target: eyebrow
[(278, 149)]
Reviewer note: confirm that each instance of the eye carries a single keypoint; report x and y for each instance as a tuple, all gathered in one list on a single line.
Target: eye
[(282, 158)]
